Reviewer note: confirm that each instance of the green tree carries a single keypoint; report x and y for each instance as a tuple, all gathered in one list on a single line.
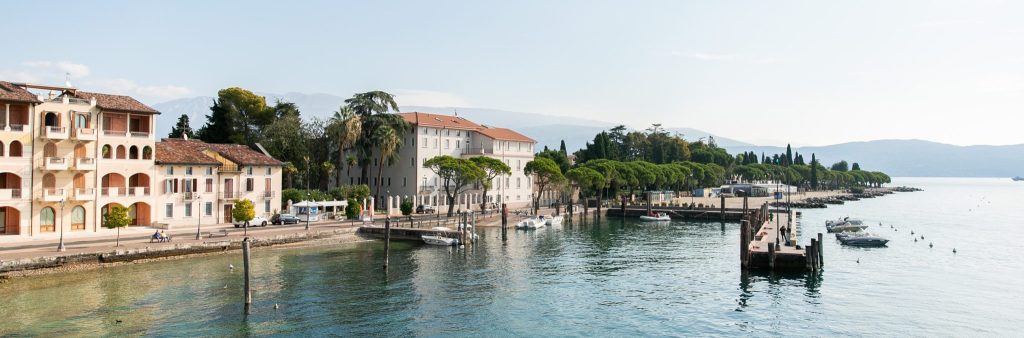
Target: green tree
[(328, 168), (406, 207), (814, 172), (182, 128), (346, 127), (237, 116), (585, 179), (856, 166), (456, 175), (243, 211), (840, 166), (116, 218), (367, 106), (561, 148), (353, 209), (388, 132), (789, 155), (545, 173), (492, 168)]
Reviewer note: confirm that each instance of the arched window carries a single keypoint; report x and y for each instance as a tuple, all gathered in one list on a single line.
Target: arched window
[(50, 149), (79, 150), (120, 152), (51, 120), (107, 153), (49, 181), (46, 220), (133, 153), (81, 121), (1, 148), (15, 149), (78, 218), (147, 153)]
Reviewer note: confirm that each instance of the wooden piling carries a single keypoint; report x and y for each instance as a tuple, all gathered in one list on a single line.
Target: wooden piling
[(812, 254), (622, 207), (744, 242), (722, 207), (387, 241), (820, 259), (771, 257), (245, 264), (808, 263), (504, 215)]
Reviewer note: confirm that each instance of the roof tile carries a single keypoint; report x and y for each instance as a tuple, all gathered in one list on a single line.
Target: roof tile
[(10, 92)]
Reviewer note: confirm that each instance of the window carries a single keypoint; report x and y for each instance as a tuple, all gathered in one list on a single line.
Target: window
[(519, 164), (266, 206), (46, 220), (170, 170), (435, 143), (209, 185), (448, 132), (268, 171), (389, 181), (446, 144), (248, 171), (424, 142), (209, 171), (106, 151), (457, 143), (458, 133), (169, 210), (249, 184), (424, 131), (209, 208), (78, 218), (404, 181), (188, 171), (518, 181), (412, 162), (188, 209)]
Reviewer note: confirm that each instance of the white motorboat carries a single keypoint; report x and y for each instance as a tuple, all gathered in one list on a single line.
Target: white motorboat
[(845, 224), (530, 223), (861, 239), (439, 240), (659, 217), (554, 220)]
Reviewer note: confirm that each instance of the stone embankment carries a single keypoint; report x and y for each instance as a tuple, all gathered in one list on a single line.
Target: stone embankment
[(823, 202)]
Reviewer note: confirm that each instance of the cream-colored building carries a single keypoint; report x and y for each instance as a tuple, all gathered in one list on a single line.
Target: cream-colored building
[(433, 135), (67, 155)]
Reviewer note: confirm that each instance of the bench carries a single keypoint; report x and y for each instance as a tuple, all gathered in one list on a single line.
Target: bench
[(165, 239), (219, 233)]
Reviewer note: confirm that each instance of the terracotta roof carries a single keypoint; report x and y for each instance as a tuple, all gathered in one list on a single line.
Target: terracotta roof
[(181, 151), (116, 102), (243, 155), (10, 92), (439, 121), (504, 134)]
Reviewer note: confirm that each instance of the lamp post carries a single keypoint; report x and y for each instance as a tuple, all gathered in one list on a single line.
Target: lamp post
[(60, 247), (199, 215), (308, 203)]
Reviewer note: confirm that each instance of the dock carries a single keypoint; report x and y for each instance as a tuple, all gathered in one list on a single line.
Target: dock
[(408, 234), (764, 247)]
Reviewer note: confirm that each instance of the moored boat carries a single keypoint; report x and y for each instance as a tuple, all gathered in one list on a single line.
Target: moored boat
[(554, 220), (861, 239), (658, 217), (845, 224), (439, 240), (1018, 178), (530, 223)]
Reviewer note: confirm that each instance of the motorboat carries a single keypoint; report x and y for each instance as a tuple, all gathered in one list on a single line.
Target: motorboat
[(861, 239), (1018, 178), (554, 220), (439, 240), (658, 217), (845, 224), (530, 223)]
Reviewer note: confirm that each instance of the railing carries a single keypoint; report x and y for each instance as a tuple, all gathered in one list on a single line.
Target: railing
[(7, 194), (86, 160), (190, 196), (55, 132), (17, 127), (114, 132), (427, 188), (84, 193), (228, 195), (85, 133), (479, 151), (113, 191), (268, 194), (55, 160), (228, 168), (138, 191), (53, 194), (140, 134)]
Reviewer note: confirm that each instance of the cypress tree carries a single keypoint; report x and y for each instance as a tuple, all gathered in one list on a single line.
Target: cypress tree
[(814, 172), (562, 148)]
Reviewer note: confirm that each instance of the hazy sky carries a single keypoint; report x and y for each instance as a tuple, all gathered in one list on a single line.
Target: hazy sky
[(806, 72)]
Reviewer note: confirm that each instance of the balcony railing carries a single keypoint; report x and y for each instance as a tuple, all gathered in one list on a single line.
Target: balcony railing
[(190, 196), (115, 132), (10, 194), (53, 194), (268, 194), (113, 191), (85, 134), (138, 191), (85, 194), (55, 133), (479, 151), (14, 128), (140, 134), (228, 195), (55, 163), (85, 163)]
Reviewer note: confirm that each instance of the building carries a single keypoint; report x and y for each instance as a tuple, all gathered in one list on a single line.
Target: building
[(433, 135), (67, 156)]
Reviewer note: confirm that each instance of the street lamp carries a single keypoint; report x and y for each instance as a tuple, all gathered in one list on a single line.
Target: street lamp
[(60, 247), (199, 214)]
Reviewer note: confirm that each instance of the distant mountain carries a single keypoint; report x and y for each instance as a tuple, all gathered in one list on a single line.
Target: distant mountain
[(914, 157), (195, 107)]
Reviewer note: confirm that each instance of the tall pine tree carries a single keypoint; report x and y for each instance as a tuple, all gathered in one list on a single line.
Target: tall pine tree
[(182, 128), (789, 155), (814, 172)]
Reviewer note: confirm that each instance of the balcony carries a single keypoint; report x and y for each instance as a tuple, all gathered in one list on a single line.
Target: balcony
[(85, 134), (55, 163), (10, 194), (53, 194), (85, 163), (138, 191), (268, 195), (121, 133), (14, 128), (55, 133), (85, 194), (229, 195), (113, 192), (426, 189), (190, 196), (139, 134), (479, 151)]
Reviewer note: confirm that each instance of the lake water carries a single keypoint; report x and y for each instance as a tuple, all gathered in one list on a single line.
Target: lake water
[(612, 279)]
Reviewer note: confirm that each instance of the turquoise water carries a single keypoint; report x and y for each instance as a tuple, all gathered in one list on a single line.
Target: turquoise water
[(613, 279)]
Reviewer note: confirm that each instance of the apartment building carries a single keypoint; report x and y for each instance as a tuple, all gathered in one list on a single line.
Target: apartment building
[(67, 156), (434, 135)]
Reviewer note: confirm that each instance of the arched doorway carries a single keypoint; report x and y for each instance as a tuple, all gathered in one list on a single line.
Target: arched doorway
[(15, 149), (147, 153), (112, 184), (50, 149), (10, 184), (49, 181), (120, 152), (133, 153), (138, 212), (139, 181), (80, 150), (1, 148), (106, 151), (47, 220), (78, 218), (10, 221)]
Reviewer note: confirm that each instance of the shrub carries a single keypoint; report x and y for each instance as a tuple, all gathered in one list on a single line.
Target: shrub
[(406, 207), (353, 209)]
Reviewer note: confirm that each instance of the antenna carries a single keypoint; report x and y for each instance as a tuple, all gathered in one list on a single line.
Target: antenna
[(456, 111), (67, 79)]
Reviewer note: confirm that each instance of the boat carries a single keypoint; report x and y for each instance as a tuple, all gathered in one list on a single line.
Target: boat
[(845, 224), (554, 220), (658, 217), (1018, 178), (439, 240), (861, 239), (530, 223)]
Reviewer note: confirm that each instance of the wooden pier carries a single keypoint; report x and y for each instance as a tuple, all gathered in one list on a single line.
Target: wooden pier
[(409, 234), (703, 214), (765, 247)]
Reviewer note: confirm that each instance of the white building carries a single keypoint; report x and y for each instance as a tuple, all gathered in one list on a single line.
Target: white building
[(435, 135)]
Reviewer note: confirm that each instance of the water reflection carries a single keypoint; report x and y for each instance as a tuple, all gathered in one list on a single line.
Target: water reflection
[(779, 285)]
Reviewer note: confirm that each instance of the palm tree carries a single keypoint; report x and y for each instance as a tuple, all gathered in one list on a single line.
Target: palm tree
[(367, 105), (352, 161), (348, 127), (388, 141)]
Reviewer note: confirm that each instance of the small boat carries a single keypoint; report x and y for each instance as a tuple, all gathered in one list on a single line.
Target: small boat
[(845, 224), (861, 239), (659, 217), (554, 220), (530, 223), (1018, 179), (439, 240)]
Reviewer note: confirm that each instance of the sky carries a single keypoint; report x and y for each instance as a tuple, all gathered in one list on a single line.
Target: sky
[(770, 73)]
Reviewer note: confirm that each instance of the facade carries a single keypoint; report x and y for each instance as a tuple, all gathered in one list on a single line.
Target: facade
[(433, 135), (67, 156)]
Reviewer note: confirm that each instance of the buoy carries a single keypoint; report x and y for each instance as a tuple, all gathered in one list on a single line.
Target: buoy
[(231, 266), (954, 250), (911, 232), (276, 306), (930, 244), (858, 260), (915, 240), (118, 321)]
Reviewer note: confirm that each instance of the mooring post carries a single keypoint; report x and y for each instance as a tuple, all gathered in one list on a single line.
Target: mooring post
[(648, 203), (821, 260), (622, 207), (807, 256), (504, 215), (771, 257), (744, 242), (722, 207), (387, 241), (245, 265), (813, 254)]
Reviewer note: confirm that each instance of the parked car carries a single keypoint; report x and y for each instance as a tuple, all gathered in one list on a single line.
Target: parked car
[(256, 221), (425, 209), (284, 219)]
